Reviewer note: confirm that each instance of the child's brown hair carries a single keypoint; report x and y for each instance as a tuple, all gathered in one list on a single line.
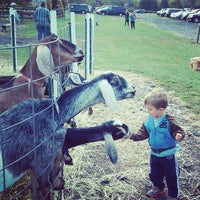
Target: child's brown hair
[(157, 98)]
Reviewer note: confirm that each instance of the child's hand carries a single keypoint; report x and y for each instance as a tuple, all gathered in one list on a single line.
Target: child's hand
[(179, 137)]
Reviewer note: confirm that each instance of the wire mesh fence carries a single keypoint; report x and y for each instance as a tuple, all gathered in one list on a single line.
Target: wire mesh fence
[(33, 55)]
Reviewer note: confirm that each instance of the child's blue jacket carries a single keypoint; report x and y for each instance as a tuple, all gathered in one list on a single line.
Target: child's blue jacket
[(162, 137)]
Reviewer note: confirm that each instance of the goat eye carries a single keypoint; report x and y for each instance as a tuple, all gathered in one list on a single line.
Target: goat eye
[(115, 81), (116, 78)]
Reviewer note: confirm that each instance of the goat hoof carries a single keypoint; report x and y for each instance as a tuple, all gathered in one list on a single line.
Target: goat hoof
[(67, 160), (73, 124), (90, 111), (59, 184)]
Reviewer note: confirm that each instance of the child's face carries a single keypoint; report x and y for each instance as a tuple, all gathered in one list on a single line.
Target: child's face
[(154, 112)]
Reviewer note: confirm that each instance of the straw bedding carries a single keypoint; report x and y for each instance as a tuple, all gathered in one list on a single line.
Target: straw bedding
[(94, 177)]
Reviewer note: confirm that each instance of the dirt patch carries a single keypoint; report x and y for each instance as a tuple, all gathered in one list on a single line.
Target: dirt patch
[(94, 177)]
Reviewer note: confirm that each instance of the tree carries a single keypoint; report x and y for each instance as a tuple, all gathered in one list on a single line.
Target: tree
[(164, 4), (7, 3), (54, 4), (148, 4), (175, 4)]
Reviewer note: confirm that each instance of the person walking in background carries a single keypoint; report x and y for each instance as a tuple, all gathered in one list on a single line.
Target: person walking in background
[(163, 134), (132, 17), (42, 20), (127, 18), (13, 11), (97, 21)]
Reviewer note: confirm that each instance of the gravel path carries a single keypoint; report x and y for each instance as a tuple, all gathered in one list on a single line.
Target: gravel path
[(179, 27)]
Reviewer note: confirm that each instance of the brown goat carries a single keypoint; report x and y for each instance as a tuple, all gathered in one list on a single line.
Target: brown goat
[(46, 57)]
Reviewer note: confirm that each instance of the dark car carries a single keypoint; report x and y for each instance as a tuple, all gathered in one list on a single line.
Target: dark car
[(194, 17), (80, 8), (112, 10)]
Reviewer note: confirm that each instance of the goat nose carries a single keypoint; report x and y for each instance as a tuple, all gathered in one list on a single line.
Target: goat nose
[(78, 51), (81, 52)]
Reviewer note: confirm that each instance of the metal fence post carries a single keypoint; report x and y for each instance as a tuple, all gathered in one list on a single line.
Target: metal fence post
[(198, 33), (13, 42)]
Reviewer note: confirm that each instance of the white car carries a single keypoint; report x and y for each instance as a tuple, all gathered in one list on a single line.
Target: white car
[(177, 15)]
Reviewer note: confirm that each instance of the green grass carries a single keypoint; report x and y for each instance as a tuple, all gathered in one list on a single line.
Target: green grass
[(147, 50), (151, 52)]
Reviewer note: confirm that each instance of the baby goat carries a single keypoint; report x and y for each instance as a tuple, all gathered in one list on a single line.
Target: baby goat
[(32, 132)]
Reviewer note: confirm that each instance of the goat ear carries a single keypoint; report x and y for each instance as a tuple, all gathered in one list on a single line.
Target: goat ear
[(44, 61), (108, 95), (111, 148)]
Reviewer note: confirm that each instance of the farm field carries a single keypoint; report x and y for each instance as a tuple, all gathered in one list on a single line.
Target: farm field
[(148, 57)]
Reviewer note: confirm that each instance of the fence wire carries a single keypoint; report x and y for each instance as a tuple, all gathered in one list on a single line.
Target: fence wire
[(23, 189)]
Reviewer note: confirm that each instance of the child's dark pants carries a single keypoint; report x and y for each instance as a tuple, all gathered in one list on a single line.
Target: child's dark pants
[(165, 167)]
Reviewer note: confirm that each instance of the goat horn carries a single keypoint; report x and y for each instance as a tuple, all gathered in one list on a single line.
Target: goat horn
[(111, 148)]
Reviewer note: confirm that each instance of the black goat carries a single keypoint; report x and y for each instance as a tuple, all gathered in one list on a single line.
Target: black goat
[(108, 131), (32, 132)]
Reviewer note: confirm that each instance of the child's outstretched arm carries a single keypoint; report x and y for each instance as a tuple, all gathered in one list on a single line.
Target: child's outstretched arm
[(140, 135)]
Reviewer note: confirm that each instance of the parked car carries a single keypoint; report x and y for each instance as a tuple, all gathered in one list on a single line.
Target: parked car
[(97, 8), (80, 8), (194, 17), (169, 11), (140, 11), (177, 15), (161, 12), (112, 10), (185, 14)]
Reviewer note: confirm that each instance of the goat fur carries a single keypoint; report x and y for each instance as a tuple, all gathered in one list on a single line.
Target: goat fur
[(32, 132), (108, 131), (45, 59)]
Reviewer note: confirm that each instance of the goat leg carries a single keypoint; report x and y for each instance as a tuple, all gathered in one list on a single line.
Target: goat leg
[(44, 193), (66, 157), (57, 182)]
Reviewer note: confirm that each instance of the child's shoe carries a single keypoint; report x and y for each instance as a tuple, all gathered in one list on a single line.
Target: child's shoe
[(155, 192)]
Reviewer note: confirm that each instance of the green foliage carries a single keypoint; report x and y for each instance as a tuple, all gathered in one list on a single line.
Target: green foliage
[(176, 4), (164, 4), (148, 4), (7, 3)]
